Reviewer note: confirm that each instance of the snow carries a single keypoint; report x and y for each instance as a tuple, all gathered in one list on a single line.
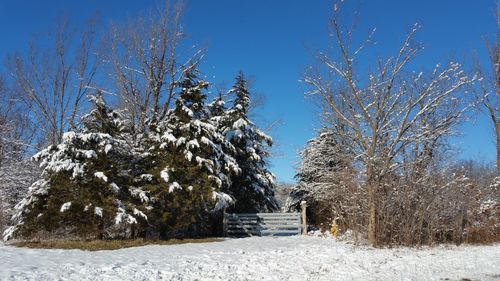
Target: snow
[(108, 148), (89, 154), (189, 155), (101, 175), (180, 141), (193, 144), (141, 214), (139, 193), (146, 177), (169, 137), (123, 218), (174, 186), (259, 258), (98, 211), (65, 207), (222, 200), (240, 124), (114, 187), (164, 175)]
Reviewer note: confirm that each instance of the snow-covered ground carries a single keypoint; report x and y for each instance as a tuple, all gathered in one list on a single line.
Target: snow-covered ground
[(266, 258)]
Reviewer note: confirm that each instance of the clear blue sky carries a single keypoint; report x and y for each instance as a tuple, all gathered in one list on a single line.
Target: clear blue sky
[(273, 41)]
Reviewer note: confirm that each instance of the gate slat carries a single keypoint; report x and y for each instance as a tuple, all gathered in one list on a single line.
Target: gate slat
[(262, 224)]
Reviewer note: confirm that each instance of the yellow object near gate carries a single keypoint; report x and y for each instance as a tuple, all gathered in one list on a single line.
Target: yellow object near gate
[(334, 229)]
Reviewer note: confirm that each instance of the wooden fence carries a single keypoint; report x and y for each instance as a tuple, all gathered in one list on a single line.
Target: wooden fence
[(263, 224)]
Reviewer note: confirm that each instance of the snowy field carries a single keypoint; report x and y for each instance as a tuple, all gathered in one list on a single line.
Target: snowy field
[(287, 258)]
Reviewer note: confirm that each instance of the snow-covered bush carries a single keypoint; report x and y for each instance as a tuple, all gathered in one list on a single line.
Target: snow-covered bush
[(484, 215)]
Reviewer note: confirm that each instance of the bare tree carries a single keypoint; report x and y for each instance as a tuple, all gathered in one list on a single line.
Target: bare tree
[(16, 129), (52, 80), (16, 136), (490, 86), (146, 64), (384, 111)]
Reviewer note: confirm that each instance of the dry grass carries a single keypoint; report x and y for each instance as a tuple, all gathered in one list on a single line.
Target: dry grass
[(98, 245)]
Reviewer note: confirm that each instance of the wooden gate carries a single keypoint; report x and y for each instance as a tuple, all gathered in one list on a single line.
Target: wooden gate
[(262, 224)]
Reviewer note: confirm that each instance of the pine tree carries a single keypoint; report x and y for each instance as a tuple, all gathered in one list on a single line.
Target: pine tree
[(253, 188), (189, 165), (87, 184)]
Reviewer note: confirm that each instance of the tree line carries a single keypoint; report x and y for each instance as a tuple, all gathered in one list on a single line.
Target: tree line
[(153, 158), (128, 144)]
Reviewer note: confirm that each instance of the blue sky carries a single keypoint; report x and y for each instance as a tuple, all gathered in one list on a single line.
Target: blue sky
[(274, 40)]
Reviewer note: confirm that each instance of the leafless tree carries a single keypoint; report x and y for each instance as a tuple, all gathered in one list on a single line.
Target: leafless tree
[(387, 110), (146, 63), (490, 86), (16, 138), (53, 78), (16, 129)]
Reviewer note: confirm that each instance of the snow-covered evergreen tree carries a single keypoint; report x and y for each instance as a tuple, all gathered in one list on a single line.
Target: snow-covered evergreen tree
[(326, 181), (322, 158), (87, 184), (188, 165), (253, 188), (218, 110)]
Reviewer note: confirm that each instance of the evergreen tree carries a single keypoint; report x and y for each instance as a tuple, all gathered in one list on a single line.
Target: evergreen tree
[(189, 166), (87, 184), (218, 112), (321, 158), (253, 188), (326, 181), (220, 120)]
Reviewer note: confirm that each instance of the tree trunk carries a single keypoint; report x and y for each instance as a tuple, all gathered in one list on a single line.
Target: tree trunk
[(372, 210), (372, 215), (497, 133), (496, 119)]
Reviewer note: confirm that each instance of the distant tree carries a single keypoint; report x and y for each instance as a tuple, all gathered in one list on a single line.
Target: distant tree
[(16, 139), (16, 128), (282, 194), (53, 80), (145, 63), (490, 86)]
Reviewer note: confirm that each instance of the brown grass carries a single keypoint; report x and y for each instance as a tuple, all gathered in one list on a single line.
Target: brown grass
[(98, 245)]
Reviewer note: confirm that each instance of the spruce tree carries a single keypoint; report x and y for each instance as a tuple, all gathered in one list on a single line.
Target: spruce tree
[(253, 188), (189, 165), (87, 183)]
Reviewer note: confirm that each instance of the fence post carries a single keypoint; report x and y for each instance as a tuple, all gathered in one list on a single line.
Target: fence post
[(303, 207)]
